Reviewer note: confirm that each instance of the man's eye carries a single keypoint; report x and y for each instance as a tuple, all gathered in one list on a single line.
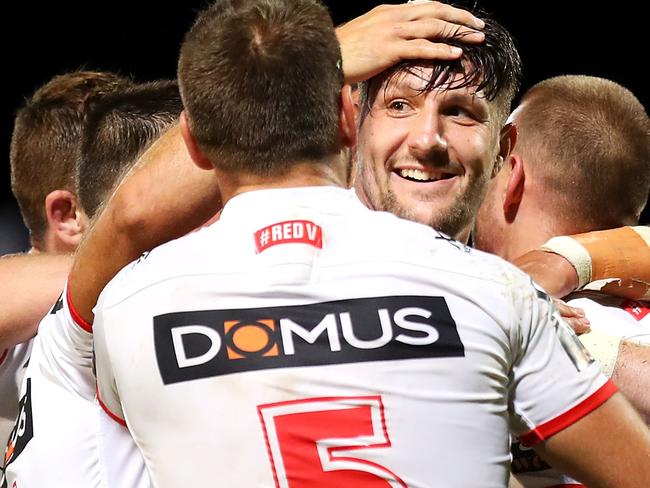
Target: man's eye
[(398, 106), (459, 112), (465, 115)]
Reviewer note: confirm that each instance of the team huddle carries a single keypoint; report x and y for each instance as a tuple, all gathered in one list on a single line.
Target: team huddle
[(260, 274)]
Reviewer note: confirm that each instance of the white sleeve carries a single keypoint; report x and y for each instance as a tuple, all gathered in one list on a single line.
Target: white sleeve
[(555, 381), (107, 394), (66, 346)]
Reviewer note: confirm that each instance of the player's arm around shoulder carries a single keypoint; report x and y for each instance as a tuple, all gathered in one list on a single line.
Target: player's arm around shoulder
[(582, 425), (619, 259), (32, 283), (144, 212)]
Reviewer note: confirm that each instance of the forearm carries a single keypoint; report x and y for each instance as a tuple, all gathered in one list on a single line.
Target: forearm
[(165, 197), (620, 256), (32, 283)]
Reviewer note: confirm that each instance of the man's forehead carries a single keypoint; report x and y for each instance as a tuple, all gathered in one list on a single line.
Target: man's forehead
[(420, 78)]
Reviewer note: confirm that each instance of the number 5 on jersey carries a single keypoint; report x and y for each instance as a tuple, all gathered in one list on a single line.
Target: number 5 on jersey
[(311, 442)]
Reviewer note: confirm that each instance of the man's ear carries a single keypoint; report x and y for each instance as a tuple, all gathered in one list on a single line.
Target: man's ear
[(507, 141), (356, 102), (66, 221), (193, 149), (347, 125), (514, 188)]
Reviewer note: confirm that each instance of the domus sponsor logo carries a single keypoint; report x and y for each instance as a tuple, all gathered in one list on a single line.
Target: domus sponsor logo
[(201, 344)]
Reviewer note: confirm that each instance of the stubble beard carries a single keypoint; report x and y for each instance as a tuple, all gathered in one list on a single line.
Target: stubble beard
[(453, 220)]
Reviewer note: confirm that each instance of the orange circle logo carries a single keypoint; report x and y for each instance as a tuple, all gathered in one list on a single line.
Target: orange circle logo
[(250, 339)]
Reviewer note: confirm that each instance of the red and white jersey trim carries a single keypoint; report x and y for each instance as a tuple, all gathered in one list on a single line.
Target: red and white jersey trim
[(108, 411), (553, 426), (76, 316)]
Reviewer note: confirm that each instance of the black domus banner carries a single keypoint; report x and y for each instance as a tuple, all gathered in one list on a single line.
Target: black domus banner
[(201, 344)]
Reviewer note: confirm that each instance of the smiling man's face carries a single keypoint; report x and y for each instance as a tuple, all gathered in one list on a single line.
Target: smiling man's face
[(426, 155)]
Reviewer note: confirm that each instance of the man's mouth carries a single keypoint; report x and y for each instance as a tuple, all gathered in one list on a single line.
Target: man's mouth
[(422, 176)]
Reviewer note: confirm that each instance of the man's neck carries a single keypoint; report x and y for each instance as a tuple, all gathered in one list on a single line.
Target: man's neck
[(301, 174)]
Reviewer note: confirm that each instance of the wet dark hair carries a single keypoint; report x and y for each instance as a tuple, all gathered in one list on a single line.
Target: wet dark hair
[(493, 66)]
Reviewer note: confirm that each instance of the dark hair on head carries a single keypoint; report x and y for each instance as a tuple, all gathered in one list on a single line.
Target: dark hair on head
[(46, 137), (120, 127), (261, 80), (493, 67)]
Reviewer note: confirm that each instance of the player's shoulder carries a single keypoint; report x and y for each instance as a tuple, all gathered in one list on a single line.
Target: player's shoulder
[(184, 255), (441, 252)]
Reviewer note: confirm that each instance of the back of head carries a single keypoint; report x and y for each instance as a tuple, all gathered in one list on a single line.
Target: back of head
[(260, 80), (492, 68), (587, 140), (120, 127), (46, 138)]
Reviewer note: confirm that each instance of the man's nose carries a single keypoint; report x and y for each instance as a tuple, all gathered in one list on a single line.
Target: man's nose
[(426, 137)]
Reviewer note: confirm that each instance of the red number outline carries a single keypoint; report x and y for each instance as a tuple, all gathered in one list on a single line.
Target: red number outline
[(328, 448)]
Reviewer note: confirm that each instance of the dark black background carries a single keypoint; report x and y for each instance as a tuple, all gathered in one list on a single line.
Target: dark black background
[(141, 38)]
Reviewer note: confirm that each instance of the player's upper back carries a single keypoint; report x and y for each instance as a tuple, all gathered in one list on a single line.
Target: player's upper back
[(291, 238), (304, 298)]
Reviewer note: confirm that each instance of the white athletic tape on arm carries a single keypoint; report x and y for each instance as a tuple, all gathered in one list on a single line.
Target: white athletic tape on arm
[(604, 347), (573, 252), (644, 232)]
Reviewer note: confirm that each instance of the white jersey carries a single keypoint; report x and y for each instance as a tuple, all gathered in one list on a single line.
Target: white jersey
[(59, 434), (306, 341), (617, 316), (12, 368), (608, 314)]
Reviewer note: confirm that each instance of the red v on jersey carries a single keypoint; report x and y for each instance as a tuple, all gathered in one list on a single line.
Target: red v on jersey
[(290, 231)]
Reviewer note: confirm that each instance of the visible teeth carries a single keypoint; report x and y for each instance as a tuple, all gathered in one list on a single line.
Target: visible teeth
[(416, 174)]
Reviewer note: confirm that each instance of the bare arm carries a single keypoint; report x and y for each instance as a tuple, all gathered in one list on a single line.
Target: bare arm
[(165, 197), (621, 255), (388, 34), (551, 271), (632, 376), (608, 448), (31, 284)]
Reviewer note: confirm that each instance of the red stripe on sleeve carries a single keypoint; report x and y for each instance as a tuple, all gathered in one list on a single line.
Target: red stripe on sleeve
[(78, 319), (3, 356), (553, 426), (107, 410)]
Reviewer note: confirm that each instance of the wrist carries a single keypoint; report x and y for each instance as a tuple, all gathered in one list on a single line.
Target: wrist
[(575, 255)]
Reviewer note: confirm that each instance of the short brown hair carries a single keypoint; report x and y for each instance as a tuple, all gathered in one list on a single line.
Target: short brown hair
[(46, 137), (588, 140), (260, 80), (119, 128)]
